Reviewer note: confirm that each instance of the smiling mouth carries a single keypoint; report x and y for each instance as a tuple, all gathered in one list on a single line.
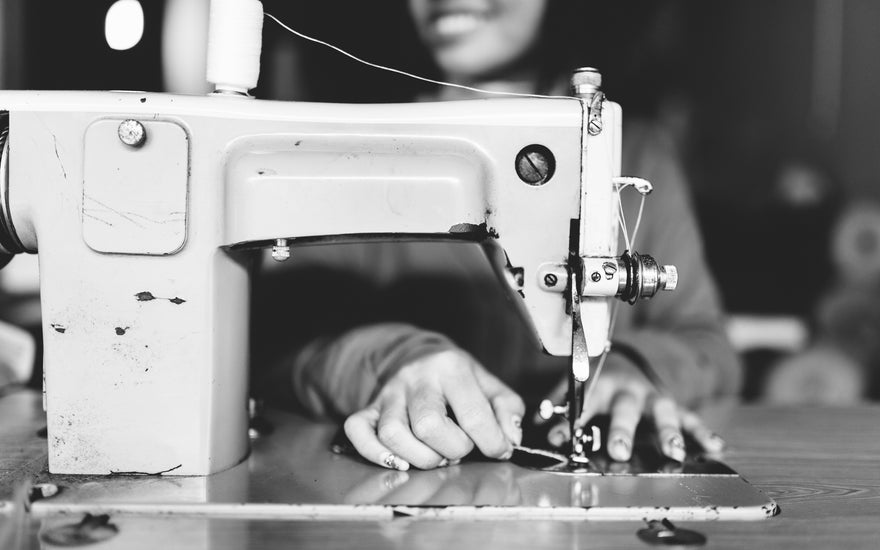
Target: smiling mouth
[(456, 24)]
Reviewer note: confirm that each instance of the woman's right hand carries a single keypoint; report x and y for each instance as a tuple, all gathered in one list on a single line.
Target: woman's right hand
[(434, 411)]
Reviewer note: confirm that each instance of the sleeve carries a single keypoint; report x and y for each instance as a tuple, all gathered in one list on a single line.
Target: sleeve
[(337, 376), (680, 333)]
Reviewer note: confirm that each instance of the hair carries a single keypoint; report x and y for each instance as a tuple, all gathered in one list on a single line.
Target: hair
[(633, 43)]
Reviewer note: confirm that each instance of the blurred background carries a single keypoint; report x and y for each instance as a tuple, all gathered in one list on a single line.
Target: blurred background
[(771, 103)]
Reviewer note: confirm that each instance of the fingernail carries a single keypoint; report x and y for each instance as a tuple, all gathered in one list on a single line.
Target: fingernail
[(674, 448), (394, 462), (507, 454), (455, 462), (516, 420), (443, 463), (393, 480), (619, 448), (717, 443)]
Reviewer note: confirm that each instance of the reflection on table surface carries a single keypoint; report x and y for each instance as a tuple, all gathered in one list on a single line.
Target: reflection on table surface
[(819, 464), (293, 467)]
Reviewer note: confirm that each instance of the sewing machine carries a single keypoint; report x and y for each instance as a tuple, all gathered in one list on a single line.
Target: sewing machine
[(148, 212), (146, 208)]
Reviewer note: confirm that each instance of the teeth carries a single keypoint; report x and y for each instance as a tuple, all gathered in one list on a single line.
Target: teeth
[(458, 23)]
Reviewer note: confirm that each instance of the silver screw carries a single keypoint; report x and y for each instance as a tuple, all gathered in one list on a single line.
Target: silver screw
[(610, 270), (132, 133), (535, 164), (548, 410), (280, 251)]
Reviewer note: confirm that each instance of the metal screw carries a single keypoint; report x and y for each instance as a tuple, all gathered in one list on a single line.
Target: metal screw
[(132, 133), (535, 164), (595, 277), (280, 251), (548, 410), (610, 270), (550, 279)]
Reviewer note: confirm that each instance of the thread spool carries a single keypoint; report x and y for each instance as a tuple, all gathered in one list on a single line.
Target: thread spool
[(822, 375), (235, 39), (855, 245)]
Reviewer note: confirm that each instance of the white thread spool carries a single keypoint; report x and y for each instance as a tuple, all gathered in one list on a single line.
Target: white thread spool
[(235, 39)]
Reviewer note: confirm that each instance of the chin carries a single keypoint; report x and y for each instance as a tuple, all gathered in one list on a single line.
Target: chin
[(469, 63)]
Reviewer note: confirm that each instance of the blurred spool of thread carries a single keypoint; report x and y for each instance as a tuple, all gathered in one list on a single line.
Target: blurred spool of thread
[(821, 375), (855, 245), (235, 40), (849, 318)]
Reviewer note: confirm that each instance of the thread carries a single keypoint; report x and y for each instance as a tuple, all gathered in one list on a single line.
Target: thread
[(406, 74), (644, 187), (235, 39)]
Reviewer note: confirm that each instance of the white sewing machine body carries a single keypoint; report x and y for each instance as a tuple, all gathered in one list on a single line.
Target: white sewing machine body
[(146, 248)]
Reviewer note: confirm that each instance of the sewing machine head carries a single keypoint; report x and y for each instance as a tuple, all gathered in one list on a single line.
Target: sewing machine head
[(146, 208)]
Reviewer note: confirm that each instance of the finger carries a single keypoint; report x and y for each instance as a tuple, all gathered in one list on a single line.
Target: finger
[(626, 410), (394, 433), (431, 425), (709, 440), (361, 431), (559, 434), (596, 403), (498, 487), (456, 491), (375, 487), (509, 409), (474, 413), (669, 435), (508, 406), (418, 490)]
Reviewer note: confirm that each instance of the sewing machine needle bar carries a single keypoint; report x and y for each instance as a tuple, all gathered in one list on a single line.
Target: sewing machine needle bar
[(579, 378)]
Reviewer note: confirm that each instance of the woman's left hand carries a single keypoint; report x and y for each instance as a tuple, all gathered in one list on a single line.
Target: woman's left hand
[(624, 393)]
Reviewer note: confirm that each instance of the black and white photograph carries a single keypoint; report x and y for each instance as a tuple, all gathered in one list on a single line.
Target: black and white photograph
[(432, 274)]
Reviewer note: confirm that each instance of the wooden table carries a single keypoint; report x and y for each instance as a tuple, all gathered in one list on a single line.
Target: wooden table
[(821, 465)]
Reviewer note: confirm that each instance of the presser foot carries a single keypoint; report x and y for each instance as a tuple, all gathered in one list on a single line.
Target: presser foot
[(581, 441), (576, 462)]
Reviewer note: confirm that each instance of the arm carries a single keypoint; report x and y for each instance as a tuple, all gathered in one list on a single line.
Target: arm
[(337, 376), (681, 333), (410, 396)]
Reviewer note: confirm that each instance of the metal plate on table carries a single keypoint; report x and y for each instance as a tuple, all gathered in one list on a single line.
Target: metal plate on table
[(291, 473)]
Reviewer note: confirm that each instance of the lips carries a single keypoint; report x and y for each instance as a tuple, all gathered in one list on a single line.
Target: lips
[(455, 24)]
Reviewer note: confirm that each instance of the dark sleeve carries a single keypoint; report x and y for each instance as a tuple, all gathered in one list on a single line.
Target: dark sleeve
[(337, 376), (681, 333)]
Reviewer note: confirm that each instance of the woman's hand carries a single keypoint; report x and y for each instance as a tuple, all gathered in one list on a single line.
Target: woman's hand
[(624, 393), (433, 412)]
